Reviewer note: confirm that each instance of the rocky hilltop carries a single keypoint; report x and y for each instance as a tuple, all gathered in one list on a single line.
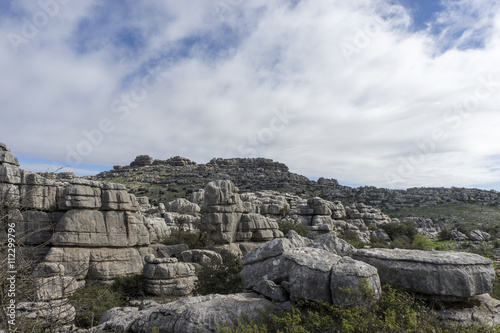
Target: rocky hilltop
[(164, 180)]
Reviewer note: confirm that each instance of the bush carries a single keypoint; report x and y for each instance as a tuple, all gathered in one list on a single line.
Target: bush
[(395, 229), (396, 311), (130, 286), (421, 242), (352, 238), (220, 277), (401, 242), (444, 235), (302, 230), (91, 302)]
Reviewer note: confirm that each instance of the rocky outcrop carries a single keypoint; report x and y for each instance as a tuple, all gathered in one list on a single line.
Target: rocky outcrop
[(296, 268), (446, 275), (226, 220), (142, 160), (168, 277), (194, 314)]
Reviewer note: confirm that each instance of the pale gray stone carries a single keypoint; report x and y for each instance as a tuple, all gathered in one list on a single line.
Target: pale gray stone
[(333, 244), (182, 206), (309, 273), (479, 236), (108, 263), (454, 274), (269, 289), (200, 314), (354, 283)]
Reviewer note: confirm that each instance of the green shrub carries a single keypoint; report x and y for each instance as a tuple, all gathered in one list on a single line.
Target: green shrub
[(395, 229), (444, 234), (302, 230), (396, 311), (420, 242), (130, 286), (220, 277), (352, 238), (91, 302)]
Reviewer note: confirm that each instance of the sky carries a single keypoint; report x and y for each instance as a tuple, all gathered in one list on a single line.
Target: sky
[(386, 93)]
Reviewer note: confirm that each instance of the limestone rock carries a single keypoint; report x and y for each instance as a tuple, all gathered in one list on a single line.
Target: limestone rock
[(79, 197), (222, 193), (479, 236), (182, 206), (108, 263), (199, 314), (119, 319), (169, 278), (309, 273), (484, 310), (200, 257), (447, 274), (354, 283), (142, 160), (269, 289), (57, 312), (76, 261), (333, 244), (113, 199), (91, 228)]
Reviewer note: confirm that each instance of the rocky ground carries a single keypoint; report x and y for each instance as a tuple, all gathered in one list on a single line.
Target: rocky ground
[(85, 231)]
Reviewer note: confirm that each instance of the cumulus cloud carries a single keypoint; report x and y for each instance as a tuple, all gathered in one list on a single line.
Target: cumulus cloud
[(331, 88)]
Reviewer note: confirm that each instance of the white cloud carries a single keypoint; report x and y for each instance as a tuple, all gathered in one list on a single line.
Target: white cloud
[(365, 94)]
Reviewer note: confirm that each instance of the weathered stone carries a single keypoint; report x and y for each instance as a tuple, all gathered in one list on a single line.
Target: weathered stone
[(201, 257), (221, 192), (297, 240), (479, 236), (119, 200), (276, 269), (37, 227), (274, 248), (309, 273), (269, 289), (182, 286), (453, 274), (56, 312), (7, 158), (108, 263), (119, 319), (168, 270), (200, 314), (170, 250), (92, 228), (76, 261), (182, 206), (10, 174), (333, 244), (55, 287), (79, 197), (354, 283), (483, 310), (142, 160)]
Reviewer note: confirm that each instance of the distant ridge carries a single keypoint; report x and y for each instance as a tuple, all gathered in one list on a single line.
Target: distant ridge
[(165, 180)]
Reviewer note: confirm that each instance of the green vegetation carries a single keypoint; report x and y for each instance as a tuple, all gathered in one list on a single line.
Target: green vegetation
[(130, 286), (464, 217), (92, 301), (302, 230), (220, 277), (396, 311)]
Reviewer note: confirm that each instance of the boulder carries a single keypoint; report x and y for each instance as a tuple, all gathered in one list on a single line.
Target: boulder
[(354, 283), (168, 277), (309, 273), (106, 264), (200, 314), (446, 274), (479, 236), (333, 244), (182, 206)]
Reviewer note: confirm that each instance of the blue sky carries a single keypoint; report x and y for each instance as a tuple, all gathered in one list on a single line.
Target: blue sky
[(390, 93)]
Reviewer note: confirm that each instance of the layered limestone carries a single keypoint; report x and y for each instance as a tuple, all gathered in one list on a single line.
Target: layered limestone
[(442, 274)]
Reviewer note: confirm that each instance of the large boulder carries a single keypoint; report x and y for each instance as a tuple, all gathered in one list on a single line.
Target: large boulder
[(445, 274), (296, 268), (168, 277), (200, 314)]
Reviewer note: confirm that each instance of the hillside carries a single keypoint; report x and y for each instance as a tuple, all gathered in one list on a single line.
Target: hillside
[(166, 180)]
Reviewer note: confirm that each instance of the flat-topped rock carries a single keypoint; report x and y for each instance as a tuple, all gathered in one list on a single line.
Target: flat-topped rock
[(445, 274), (430, 257)]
